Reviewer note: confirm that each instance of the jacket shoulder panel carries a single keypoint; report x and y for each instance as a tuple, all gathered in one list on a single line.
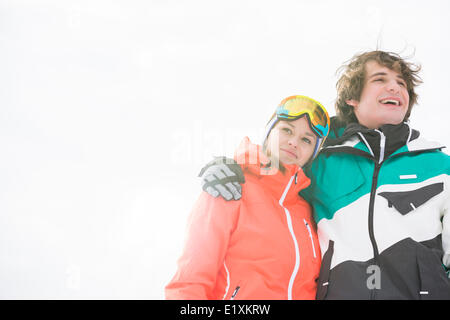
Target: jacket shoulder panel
[(337, 179)]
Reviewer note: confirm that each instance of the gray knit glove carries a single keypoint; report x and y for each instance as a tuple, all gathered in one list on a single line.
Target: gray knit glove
[(222, 176)]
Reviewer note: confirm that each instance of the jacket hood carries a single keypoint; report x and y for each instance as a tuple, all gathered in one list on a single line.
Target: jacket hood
[(402, 133), (386, 140)]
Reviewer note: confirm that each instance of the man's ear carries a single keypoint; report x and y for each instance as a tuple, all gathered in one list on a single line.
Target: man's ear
[(352, 103)]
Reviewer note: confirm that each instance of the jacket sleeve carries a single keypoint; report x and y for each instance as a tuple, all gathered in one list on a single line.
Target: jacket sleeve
[(446, 230), (209, 228)]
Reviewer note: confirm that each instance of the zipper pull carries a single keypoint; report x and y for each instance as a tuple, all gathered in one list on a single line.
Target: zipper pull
[(235, 292), (296, 177), (311, 237)]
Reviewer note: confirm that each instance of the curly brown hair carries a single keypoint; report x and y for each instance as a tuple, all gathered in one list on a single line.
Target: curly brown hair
[(353, 73)]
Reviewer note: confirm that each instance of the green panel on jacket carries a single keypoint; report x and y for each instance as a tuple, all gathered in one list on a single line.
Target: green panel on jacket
[(423, 165), (349, 182), (352, 176)]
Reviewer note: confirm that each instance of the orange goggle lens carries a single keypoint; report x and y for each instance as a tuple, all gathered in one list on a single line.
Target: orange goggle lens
[(295, 107)]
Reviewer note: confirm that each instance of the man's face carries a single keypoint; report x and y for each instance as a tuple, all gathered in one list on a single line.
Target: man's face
[(384, 98)]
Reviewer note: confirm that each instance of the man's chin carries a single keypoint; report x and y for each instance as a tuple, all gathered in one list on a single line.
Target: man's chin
[(394, 122)]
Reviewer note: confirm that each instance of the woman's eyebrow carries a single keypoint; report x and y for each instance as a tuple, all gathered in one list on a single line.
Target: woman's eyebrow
[(291, 125), (306, 133)]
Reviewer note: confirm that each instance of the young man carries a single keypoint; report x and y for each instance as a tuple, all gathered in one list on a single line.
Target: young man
[(380, 194)]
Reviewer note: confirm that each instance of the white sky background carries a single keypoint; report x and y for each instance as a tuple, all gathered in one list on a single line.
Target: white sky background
[(110, 108)]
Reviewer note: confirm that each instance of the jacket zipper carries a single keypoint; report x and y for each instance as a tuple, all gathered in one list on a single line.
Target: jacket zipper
[(291, 230), (297, 252), (371, 214), (311, 237), (228, 281), (372, 203), (235, 293)]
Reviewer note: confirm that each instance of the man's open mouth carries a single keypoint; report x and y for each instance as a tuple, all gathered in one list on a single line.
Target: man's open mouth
[(393, 102)]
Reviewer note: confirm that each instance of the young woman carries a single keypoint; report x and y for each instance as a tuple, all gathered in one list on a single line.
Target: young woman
[(263, 246)]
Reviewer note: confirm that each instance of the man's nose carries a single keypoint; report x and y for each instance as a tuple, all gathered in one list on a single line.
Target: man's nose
[(393, 86)]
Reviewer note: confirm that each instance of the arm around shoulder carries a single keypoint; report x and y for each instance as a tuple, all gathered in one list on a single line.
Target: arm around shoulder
[(446, 218)]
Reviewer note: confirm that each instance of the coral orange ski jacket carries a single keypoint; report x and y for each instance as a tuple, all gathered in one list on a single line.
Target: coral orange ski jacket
[(263, 246)]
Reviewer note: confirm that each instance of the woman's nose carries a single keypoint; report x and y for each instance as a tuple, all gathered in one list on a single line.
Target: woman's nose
[(293, 142)]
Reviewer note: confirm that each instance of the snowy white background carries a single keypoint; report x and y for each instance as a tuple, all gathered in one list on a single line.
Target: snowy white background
[(109, 109)]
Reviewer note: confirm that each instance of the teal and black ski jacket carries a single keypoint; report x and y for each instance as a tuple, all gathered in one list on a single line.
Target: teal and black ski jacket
[(381, 201)]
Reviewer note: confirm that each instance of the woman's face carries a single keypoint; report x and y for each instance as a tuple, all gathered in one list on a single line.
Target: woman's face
[(292, 142)]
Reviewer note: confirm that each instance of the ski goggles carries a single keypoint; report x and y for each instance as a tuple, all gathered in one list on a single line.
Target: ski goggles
[(295, 107)]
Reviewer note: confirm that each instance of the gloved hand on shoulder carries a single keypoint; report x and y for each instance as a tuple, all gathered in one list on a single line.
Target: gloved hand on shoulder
[(222, 176)]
